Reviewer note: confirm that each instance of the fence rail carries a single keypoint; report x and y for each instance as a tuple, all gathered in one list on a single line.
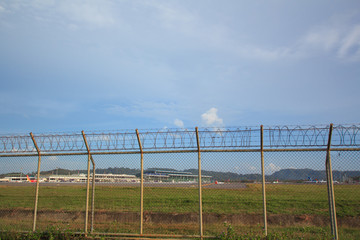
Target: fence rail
[(167, 143)]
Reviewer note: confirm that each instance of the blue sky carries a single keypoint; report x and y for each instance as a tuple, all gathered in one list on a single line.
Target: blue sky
[(92, 65)]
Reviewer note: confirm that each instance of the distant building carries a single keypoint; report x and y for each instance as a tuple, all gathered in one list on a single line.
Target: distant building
[(111, 178), (115, 178), (14, 179), (76, 178), (172, 176), (149, 176)]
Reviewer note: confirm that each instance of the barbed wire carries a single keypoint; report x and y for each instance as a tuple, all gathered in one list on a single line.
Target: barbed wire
[(172, 139), (296, 136)]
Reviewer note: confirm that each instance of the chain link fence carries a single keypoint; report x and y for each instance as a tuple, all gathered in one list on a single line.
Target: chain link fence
[(17, 200), (259, 181), (296, 190), (347, 194)]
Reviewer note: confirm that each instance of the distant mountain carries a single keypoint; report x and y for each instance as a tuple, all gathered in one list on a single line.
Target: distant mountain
[(120, 170), (340, 175), (59, 171), (303, 174), (297, 174), (224, 176), (12, 174), (282, 175)]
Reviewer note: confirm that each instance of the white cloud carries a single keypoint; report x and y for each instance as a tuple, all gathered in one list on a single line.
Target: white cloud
[(264, 54), (341, 40), (90, 12), (179, 123), (272, 168), (322, 38), (350, 44), (211, 119), (245, 168), (174, 16), (252, 168), (53, 158)]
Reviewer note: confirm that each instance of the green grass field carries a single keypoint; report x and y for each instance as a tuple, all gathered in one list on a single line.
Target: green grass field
[(282, 200)]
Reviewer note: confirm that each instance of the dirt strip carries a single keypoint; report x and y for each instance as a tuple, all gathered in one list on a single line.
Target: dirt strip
[(149, 217)]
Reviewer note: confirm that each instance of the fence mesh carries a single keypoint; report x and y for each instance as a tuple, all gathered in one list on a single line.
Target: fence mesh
[(117, 193), (346, 167), (17, 200), (296, 195), (234, 197), (170, 194), (61, 203), (297, 190)]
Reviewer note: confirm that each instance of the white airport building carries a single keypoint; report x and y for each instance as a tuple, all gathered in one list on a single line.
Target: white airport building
[(173, 176), (110, 178), (149, 176), (76, 178)]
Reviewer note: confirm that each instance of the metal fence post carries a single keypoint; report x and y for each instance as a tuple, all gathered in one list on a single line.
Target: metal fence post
[(263, 177), (141, 183), (93, 197), (330, 187), (37, 181), (200, 183), (88, 188)]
